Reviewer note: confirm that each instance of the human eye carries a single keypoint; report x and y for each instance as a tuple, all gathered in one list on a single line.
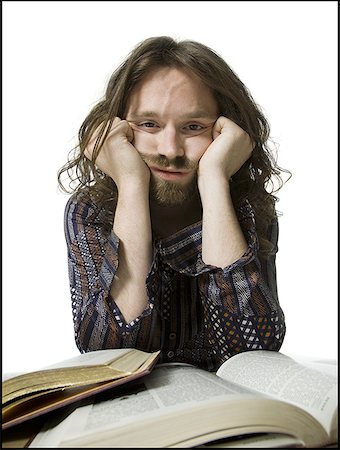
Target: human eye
[(193, 128), (147, 125)]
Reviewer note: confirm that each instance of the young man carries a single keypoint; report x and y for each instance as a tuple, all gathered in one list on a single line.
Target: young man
[(171, 230)]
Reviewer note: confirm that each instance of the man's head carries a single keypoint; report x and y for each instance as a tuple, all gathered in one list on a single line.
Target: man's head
[(232, 97), (172, 113), (185, 76), (207, 72)]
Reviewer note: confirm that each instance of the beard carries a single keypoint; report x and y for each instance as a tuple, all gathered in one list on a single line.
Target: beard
[(171, 193)]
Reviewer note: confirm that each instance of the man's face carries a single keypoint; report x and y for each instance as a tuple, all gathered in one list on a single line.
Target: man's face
[(172, 114)]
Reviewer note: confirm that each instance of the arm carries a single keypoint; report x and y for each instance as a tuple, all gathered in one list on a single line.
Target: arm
[(223, 241), (132, 226), (242, 307), (120, 160), (241, 310), (93, 263), (239, 291)]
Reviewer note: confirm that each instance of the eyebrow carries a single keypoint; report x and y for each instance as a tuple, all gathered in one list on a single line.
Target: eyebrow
[(199, 114)]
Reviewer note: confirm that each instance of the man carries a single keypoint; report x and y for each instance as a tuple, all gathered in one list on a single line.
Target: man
[(171, 231)]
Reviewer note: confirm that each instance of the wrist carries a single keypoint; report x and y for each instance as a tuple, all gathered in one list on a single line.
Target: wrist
[(133, 188), (210, 183)]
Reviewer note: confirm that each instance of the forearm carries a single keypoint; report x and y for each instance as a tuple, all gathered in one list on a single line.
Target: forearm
[(223, 241), (133, 227)]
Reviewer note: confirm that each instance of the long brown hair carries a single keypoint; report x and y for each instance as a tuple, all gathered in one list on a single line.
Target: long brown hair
[(257, 180)]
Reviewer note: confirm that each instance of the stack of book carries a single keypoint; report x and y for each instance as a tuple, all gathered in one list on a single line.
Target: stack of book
[(125, 398)]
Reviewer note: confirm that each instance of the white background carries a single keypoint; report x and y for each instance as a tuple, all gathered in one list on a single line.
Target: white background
[(57, 58)]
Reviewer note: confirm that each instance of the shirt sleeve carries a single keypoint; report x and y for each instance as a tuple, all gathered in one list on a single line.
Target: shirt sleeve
[(183, 250), (92, 263), (241, 306)]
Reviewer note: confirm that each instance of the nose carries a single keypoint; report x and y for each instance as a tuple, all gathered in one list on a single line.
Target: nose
[(170, 143)]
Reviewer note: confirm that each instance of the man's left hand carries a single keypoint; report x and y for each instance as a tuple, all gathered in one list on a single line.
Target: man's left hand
[(230, 149)]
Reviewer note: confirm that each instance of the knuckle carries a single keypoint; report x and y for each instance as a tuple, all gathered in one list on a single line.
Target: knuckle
[(87, 154)]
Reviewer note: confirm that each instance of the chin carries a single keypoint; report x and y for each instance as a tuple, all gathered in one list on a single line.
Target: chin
[(173, 194)]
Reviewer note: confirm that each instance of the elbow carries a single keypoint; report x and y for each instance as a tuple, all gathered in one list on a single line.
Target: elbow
[(271, 330)]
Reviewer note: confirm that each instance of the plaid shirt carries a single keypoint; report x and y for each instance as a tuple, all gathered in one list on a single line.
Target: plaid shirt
[(197, 313)]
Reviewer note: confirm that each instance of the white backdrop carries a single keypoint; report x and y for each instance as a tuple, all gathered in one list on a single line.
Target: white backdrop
[(57, 58)]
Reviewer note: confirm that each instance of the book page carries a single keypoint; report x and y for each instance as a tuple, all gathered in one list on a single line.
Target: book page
[(282, 377), (165, 389), (90, 359), (259, 440), (90, 367), (322, 364), (8, 375)]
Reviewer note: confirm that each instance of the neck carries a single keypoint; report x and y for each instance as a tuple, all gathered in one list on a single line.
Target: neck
[(167, 220)]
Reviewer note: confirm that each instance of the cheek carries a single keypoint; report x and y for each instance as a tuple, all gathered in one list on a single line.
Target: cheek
[(143, 142), (195, 147)]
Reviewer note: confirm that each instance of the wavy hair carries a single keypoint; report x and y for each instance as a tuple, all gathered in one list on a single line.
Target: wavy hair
[(256, 181)]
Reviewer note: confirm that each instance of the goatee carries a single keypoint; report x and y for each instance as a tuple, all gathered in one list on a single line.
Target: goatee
[(171, 193)]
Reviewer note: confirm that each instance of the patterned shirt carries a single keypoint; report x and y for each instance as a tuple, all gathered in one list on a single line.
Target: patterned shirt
[(196, 313)]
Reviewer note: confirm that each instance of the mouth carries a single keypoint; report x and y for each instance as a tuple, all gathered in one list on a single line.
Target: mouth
[(169, 174)]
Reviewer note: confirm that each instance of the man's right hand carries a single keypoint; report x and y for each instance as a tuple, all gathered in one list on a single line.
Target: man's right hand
[(117, 157)]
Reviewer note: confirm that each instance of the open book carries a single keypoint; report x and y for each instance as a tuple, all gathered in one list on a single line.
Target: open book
[(254, 396), (32, 394)]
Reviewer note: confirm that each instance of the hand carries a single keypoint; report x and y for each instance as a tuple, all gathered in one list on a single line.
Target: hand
[(230, 149), (117, 157)]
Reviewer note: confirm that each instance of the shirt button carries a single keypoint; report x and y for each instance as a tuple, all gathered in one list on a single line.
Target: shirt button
[(172, 335), (171, 354)]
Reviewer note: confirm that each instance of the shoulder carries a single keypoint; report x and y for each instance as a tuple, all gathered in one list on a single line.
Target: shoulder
[(82, 207), (246, 212)]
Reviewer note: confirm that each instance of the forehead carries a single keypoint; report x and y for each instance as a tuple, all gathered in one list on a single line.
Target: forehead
[(170, 89)]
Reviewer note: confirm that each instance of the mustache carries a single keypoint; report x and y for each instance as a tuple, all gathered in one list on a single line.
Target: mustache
[(180, 162)]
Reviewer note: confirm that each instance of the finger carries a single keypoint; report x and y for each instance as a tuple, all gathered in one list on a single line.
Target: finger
[(219, 125), (105, 132), (127, 129), (88, 154)]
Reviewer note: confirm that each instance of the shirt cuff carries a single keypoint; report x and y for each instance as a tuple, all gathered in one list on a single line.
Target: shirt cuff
[(119, 318), (106, 276)]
